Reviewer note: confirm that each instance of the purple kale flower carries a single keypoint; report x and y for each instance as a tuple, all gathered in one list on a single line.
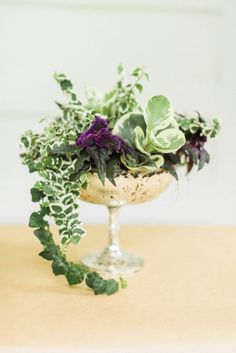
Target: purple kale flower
[(100, 136), (103, 148)]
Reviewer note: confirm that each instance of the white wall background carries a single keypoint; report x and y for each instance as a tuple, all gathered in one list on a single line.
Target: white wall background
[(190, 52)]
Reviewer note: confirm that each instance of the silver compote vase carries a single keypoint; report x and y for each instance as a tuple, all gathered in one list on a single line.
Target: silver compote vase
[(130, 189)]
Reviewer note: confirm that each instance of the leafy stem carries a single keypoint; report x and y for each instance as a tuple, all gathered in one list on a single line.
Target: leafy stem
[(74, 273)]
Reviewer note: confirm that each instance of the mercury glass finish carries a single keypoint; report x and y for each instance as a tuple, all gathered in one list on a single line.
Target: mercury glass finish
[(130, 189)]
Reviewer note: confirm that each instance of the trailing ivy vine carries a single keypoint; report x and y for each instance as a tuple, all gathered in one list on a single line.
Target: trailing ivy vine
[(57, 190)]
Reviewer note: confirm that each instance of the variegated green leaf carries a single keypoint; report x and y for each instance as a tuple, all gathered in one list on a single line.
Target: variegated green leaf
[(159, 113), (139, 138), (126, 124), (168, 141)]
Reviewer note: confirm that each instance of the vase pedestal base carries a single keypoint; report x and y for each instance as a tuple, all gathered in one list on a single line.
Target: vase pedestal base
[(113, 262)]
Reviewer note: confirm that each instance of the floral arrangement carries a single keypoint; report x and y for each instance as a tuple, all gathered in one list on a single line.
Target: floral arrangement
[(107, 134)]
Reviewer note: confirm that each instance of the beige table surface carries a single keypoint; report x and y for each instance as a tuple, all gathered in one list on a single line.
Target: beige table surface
[(184, 300)]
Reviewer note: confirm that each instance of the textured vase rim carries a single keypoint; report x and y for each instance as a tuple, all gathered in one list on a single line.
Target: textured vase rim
[(134, 174)]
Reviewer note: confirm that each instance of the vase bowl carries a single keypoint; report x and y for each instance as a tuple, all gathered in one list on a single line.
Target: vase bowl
[(130, 189)]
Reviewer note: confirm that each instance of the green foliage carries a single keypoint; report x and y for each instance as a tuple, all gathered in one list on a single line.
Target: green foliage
[(110, 170), (121, 99), (74, 274), (111, 286), (44, 236), (61, 177), (159, 114), (67, 88), (90, 279), (123, 283), (49, 252), (58, 189), (196, 124), (36, 220), (154, 134), (36, 195), (197, 130), (59, 266), (126, 125), (100, 286)]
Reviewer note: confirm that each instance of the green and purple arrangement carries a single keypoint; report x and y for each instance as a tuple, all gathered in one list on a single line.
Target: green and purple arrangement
[(106, 134)]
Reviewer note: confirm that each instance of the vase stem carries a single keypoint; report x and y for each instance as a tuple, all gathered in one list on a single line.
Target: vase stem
[(112, 259), (114, 246)]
